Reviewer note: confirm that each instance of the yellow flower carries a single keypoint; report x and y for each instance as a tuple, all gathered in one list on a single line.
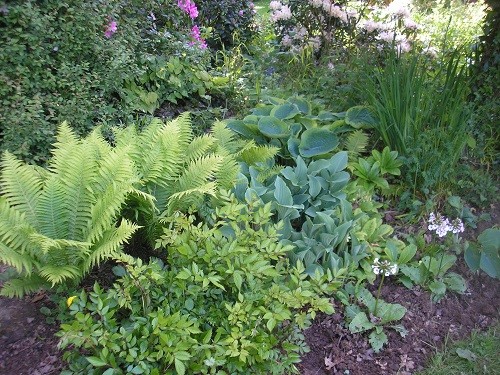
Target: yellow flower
[(70, 300)]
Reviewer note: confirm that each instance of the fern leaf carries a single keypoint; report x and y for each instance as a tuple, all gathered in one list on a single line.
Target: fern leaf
[(199, 147), (110, 243), (22, 263), (57, 274), (66, 141), (356, 143), (47, 244), (14, 230), (183, 121), (253, 154), (21, 186), (228, 173), (191, 197), (22, 286), (225, 137), (51, 209)]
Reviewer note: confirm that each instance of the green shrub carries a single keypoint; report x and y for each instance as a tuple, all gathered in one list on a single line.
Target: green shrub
[(226, 302), (57, 223), (232, 21)]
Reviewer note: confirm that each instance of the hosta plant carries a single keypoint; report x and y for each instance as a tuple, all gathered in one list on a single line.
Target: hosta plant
[(57, 223), (226, 302)]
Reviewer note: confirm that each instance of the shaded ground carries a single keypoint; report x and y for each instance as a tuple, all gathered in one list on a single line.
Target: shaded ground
[(28, 345)]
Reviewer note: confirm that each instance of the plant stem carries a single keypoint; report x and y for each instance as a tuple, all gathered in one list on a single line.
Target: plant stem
[(378, 295)]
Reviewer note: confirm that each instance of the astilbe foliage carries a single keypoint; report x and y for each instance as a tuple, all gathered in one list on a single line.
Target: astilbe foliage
[(57, 223), (227, 302)]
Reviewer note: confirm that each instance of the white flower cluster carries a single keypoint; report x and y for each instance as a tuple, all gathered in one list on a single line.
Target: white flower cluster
[(389, 21), (442, 225), (384, 267), (280, 11), (330, 9)]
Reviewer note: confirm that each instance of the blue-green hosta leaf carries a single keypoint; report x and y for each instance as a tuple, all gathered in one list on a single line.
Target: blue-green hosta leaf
[(338, 162), (317, 141), (360, 117), (241, 128), (262, 110), (285, 111), (282, 193), (273, 127), (329, 116), (303, 105), (314, 186), (293, 146)]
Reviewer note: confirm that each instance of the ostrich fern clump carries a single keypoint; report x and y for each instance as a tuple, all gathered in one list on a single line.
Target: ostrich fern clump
[(57, 223)]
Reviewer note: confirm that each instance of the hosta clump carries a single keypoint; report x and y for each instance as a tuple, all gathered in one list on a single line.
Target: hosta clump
[(298, 128), (226, 302), (57, 223)]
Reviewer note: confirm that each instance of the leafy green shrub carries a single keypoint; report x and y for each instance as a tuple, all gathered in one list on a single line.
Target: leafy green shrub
[(232, 21), (57, 223), (226, 302)]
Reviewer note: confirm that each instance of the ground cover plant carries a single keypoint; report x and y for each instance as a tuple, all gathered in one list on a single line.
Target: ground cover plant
[(327, 205)]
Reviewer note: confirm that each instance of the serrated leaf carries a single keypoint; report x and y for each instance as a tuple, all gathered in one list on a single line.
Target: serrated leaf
[(360, 323), (179, 367), (377, 340), (96, 361)]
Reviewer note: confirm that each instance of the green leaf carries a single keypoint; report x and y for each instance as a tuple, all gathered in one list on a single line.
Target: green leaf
[(303, 105), (472, 257), (273, 128), (455, 282), (317, 141), (241, 128), (96, 361), (282, 193), (285, 111), (490, 259), (377, 340), (360, 323), (238, 280), (180, 367), (360, 117), (438, 288), (407, 254), (466, 354)]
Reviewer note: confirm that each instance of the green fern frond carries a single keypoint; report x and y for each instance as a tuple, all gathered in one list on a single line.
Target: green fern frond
[(110, 244), (227, 175), (253, 154), (14, 229), (266, 173), (21, 286), (66, 141), (225, 136), (47, 244), (356, 143), (57, 274), (198, 173), (51, 209), (191, 197), (183, 121), (21, 186), (23, 263), (199, 147)]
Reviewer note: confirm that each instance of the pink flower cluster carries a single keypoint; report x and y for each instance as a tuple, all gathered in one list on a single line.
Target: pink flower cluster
[(195, 34), (189, 7), (111, 29)]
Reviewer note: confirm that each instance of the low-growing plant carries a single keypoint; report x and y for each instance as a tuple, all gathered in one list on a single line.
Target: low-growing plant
[(227, 301), (485, 254), (378, 315)]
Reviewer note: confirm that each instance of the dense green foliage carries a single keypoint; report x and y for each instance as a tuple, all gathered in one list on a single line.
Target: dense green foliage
[(226, 302), (57, 223)]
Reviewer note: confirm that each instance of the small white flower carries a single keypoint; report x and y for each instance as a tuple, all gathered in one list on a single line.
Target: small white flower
[(385, 267), (209, 361)]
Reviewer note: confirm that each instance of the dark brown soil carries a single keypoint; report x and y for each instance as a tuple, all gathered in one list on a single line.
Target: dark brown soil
[(28, 345)]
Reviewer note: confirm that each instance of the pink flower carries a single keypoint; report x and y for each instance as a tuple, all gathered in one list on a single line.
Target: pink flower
[(189, 7), (240, 12), (196, 36), (111, 29)]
